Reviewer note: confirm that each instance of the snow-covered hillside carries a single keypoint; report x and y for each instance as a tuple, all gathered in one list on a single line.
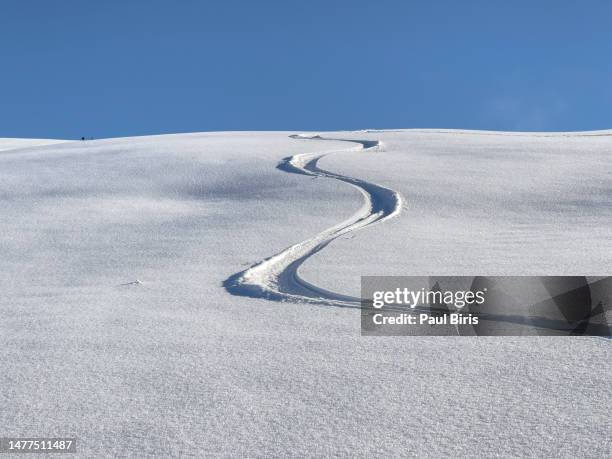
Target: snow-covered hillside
[(14, 144), (125, 261)]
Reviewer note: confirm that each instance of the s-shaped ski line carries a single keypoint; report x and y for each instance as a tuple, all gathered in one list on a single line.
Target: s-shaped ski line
[(277, 277)]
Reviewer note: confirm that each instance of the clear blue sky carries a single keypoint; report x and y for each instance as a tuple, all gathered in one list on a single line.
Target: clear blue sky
[(115, 68)]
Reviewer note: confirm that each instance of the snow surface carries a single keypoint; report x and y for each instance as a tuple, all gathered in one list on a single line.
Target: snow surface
[(277, 277), (14, 144), (480, 203), (117, 328)]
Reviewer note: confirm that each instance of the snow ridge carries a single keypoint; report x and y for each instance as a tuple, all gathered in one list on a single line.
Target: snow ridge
[(277, 277)]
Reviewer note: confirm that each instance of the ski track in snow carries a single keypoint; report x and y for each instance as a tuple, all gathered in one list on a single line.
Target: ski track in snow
[(277, 278)]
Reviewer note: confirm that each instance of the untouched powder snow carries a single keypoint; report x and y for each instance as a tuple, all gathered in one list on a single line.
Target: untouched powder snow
[(14, 144), (117, 328)]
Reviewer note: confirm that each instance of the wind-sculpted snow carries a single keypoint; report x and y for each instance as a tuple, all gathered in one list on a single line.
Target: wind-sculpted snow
[(277, 278)]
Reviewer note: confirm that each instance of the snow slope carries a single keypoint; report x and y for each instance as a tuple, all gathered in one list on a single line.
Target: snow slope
[(495, 203), (174, 364), (277, 277), (14, 144)]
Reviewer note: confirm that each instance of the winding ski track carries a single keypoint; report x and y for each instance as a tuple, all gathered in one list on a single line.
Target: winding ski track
[(277, 277)]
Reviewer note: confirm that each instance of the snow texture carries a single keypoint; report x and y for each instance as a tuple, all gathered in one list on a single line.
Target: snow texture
[(117, 328), (15, 144)]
